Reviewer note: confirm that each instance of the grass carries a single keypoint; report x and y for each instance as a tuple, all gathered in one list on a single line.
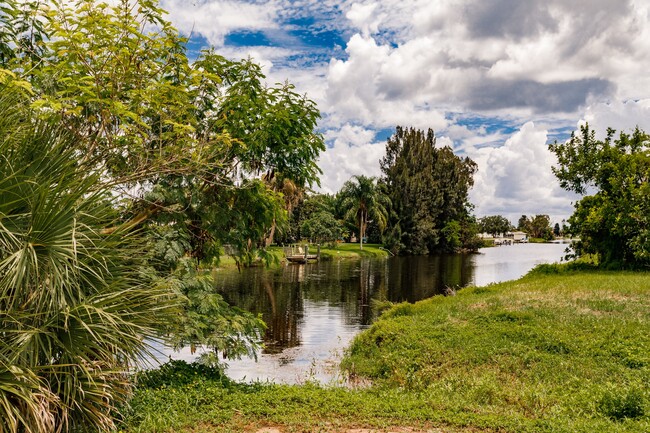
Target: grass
[(348, 250), (556, 351), (341, 251)]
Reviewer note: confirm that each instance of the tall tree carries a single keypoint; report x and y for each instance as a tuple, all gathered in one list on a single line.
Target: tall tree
[(363, 200), (540, 227), (613, 222), (522, 223), (428, 187)]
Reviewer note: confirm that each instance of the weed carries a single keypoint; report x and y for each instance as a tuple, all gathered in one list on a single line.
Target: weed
[(617, 406)]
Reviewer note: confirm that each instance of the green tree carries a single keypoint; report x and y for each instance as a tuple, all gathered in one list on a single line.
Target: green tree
[(322, 227), (428, 188), (21, 33), (78, 302), (494, 225), (540, 227), (306, 207), (523, 224), (556, 230), (613, 222), (362, 200)]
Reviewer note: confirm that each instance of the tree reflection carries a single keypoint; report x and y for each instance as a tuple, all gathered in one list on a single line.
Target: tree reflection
[(346, 288)]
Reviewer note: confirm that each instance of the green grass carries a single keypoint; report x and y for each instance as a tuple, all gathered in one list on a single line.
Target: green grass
[(557, 351), (562, 352), (348, 250), (341, 251)]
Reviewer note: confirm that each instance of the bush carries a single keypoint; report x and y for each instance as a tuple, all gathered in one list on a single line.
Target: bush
[(179, 373)]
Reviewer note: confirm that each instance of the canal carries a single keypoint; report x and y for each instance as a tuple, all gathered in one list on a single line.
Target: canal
[(313, 311)]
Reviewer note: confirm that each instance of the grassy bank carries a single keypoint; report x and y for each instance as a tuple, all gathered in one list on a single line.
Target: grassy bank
[(555, 352), (347, 250), (341, 251)]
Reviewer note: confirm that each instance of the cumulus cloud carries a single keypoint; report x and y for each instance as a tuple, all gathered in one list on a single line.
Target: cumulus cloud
[(364, 18), (516, 179), (214, 19), (622, 116), (373, 88), (433, 64), (544, 56), (353, 152)]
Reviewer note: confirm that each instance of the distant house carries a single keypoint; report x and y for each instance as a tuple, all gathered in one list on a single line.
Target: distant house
[(507, 238), (520, 237)]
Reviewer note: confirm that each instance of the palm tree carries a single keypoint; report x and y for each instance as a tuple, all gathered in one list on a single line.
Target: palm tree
[(363, 201), (75, 307)]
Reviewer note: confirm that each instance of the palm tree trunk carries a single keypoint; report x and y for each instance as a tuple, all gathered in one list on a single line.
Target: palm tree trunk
[(361, 230)]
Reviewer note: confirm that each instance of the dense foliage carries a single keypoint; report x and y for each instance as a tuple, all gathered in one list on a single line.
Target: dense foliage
[(196, 154), (494, 224), (428, 187), (538, 226), (199, 152), (613, 221), (322, 227), (78, 300)]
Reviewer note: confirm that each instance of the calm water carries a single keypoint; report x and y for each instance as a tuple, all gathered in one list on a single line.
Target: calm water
[(313, 311)]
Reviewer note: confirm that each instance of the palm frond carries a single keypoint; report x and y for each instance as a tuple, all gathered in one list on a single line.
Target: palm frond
[(75, 310)]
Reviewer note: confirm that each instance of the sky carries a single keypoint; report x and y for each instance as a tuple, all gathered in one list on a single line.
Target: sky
[(497, 80)]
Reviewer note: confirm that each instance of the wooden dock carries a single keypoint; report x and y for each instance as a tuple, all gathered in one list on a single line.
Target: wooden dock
[(300, 255)]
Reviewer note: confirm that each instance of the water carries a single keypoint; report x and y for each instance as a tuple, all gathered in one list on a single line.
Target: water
[(313, 311)]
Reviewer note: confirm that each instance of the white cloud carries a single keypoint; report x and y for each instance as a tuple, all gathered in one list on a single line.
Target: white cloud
[(215, 19), (414, 63), (377, 88), (516, 179), (363, 17), (622, 116), (353, 153)]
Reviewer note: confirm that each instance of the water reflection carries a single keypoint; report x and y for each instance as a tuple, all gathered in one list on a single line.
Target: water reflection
[(312, 311)]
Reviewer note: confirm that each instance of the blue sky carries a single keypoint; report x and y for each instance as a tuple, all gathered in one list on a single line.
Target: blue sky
[(496, 79)]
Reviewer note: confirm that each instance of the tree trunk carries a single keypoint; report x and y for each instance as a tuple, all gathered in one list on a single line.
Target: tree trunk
[(361, 229), (269, 239)]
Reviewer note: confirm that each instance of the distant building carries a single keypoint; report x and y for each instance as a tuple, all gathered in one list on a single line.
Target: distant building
[(507, 238), (519, 237)]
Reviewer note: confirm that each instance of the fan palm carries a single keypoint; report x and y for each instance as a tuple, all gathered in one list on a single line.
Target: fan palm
[(363, 201), (75, 309)]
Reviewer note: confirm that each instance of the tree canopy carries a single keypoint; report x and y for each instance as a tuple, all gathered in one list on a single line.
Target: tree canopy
[(155, 123), (538, 226), (428, 187), (613, 220), (494, 225)]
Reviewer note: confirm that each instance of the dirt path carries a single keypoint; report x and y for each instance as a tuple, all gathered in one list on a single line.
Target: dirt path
[(363, 430)]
